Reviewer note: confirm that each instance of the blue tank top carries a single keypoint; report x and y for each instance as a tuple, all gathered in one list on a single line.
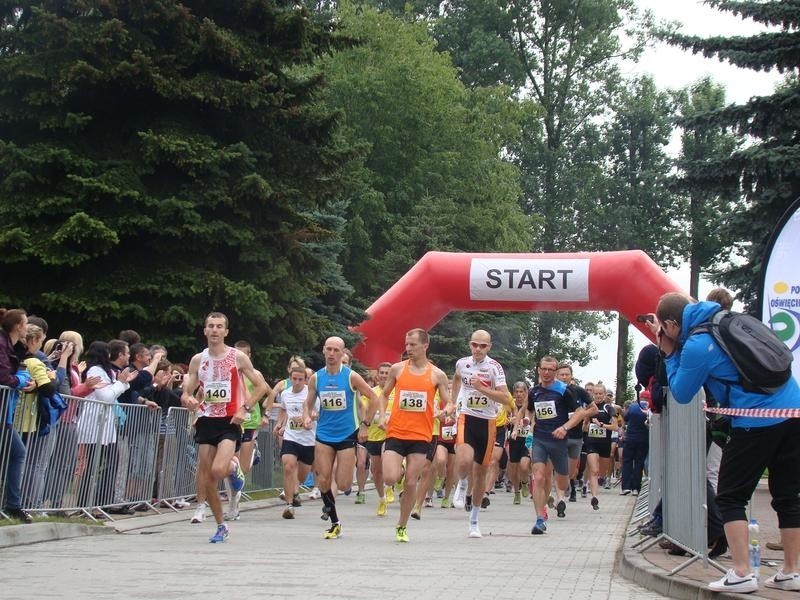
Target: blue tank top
[(338, 407)]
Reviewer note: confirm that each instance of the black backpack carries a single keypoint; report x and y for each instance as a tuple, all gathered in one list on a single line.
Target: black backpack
[(764, 362)]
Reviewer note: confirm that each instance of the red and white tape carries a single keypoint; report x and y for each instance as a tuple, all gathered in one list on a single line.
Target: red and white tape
[(764, 413)]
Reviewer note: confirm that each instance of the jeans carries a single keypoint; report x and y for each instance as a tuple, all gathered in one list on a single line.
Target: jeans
[(14, 448)]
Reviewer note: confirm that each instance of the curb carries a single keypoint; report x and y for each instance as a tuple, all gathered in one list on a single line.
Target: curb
[(34, 533), (634, 567)]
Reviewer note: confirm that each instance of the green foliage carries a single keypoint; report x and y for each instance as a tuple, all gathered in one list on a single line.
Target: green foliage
[(162, 159), (761, 177)]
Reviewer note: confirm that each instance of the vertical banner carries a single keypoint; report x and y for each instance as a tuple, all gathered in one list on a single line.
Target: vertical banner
[(780, 285)]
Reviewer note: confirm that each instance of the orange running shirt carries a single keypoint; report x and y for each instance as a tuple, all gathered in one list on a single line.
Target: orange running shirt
[(412, 414)]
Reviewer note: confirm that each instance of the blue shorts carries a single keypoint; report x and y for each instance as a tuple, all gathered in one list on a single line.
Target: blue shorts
[(553, 450)]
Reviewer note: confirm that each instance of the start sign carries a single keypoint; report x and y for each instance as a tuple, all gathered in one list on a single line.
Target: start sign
[(529, 279)]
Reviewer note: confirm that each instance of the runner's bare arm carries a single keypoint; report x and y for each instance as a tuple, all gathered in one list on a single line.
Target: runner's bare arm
[(361, 386), (269, 401), (308, 405), (449, 406), (260, 385)]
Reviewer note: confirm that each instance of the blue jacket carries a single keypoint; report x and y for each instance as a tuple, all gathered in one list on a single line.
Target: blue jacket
[(701, 361)]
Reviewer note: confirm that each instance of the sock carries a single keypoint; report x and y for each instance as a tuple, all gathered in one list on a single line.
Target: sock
[(329, 501), (473, 514)]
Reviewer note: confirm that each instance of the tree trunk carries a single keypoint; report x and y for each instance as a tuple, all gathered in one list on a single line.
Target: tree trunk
[(694, 243), (622, 359)]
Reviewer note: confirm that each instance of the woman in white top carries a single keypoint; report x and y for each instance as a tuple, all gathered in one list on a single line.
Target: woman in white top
[(97, 431)]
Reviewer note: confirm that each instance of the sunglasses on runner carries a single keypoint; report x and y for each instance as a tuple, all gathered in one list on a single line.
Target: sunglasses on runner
[(480, 345)]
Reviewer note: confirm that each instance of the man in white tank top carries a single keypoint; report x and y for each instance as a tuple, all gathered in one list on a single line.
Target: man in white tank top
[(215, 375)]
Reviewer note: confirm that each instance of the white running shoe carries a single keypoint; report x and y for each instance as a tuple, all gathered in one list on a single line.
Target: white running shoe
[(315, 494), (199, 513), (731, 582), (474, 532), (782, 581), (233, 507), (460, 494)]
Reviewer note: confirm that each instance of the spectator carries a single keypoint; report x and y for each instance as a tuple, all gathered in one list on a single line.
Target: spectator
[(755, 443), (164, 393), (636, 448), (13, 326)]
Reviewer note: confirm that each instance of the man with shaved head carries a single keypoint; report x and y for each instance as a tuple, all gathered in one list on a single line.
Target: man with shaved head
[(343, 420), (479, 384)]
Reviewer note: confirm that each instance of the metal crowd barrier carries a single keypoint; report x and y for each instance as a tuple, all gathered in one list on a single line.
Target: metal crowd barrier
[(101, 455), (677, 466)]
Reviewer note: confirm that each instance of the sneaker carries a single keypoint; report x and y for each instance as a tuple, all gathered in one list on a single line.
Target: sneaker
[(583, 491), (445, 502), (288, 513), (400, 534), (781, 581), (440, 493), (731, 582), (361, 498), (573, 496), (199, 513), (474, 532), (524, 489), (325, 513), (561, 509), (459, 496), (334, 532), (595, 503), (237, 478), (551, 502), (232, 516), (509, 487), (485, 502), (282, 495), (221, 535), (539, 527), (428, 503), (381, 512), (635, 492), (389, 494), (517, 498), (181, 503), (624, 492), (607, 484), (348, 491), (256, 456), (651, 529), (296, 500), (315, 494), (415, 513), (468, 504), (233, 507), (19, 515)]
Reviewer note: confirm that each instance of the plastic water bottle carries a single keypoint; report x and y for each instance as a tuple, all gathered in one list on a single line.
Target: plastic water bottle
[(755, 547)]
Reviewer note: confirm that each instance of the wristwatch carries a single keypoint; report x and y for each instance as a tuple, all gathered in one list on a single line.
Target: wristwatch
[(365, 423)]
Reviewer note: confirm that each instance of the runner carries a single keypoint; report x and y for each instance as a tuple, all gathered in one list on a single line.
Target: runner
[(342, 422), (409, 433), (297, 448), (551, 405), (479, 384), (575, 436), (376, 436), (598, 430), (218, 372), (519, 458)]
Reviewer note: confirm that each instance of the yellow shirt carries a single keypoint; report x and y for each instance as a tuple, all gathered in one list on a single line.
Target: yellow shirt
[(502, 416), (374, 432), (26, 414)]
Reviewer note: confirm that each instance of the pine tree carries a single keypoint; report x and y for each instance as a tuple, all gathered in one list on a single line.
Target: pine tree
[(763, 177), (160, 159)]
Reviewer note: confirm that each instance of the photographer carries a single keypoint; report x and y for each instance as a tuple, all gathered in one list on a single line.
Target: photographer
[(755, 443)]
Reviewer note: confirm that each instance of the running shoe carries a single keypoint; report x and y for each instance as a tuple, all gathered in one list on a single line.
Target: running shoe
[(539, 527), (595, 503), (296, 500), (233, 507), (607, 484), (524, 488), (315, 494), (624, 492), (583, 491), (361, 498), (731, 582), (415, 513), (573, 497), (390, 494), (334, 532), (468, 504), (459, 496), (221, 535), (381, 512), (445, 502), (440, 493), (400, 534), (561, 509), (325, 513), (551, 502), (282, 495), (428, 502), (199, 513), (781, 581), (348, 491), (517, 498), (474, 532), (288, 513), (485, 502), (181, 503), (232, 516), (237, 478)]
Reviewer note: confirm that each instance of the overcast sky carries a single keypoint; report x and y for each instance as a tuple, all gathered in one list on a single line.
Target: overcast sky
[(675, 68)]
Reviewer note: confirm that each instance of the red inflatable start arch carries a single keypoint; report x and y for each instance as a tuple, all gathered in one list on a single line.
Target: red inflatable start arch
[(627, 281)]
